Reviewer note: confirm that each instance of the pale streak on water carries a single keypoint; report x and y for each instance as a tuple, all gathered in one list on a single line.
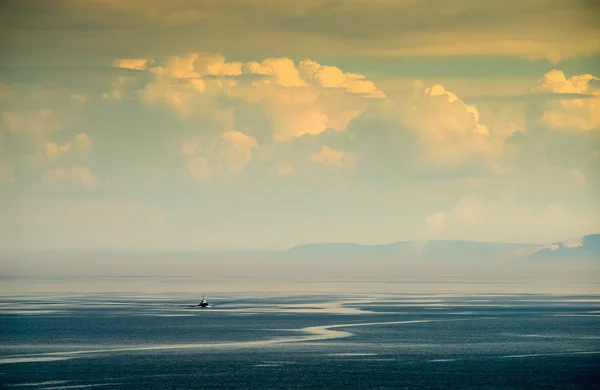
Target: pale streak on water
[(450, 333)]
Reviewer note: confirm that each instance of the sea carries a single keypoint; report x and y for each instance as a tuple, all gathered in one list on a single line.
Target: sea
[(149, 333)]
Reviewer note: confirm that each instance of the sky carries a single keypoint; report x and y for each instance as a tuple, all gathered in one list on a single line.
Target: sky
[(148, 125)]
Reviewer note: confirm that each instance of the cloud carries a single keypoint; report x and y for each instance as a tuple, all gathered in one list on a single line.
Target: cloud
[(199, 168), (475, 216), (33, 123), (119, 88), (81, 144), (333, 77), (570, 115), (77, 174), (470, 210), (228, 154), (284, 169), (532, 29), (131, 63), (234, 151), (436, 221), (330, 157), (307, 98), (425, 128), (53, 150)]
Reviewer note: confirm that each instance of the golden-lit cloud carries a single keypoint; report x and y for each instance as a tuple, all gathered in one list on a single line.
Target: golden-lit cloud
[(433, 126), (296, 99), (292, 105), (34, 123), (571, 115), (234, 151), (131, 63), (80, 144), (328, 156)]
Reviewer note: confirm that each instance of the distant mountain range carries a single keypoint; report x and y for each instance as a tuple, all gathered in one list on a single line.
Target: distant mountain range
[(587, 246), (584, 247), (331, 261)]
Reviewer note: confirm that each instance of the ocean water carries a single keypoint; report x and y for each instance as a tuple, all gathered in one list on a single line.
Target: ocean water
[(373, 338)]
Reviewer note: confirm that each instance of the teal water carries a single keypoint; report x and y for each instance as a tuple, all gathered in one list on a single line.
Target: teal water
[(299, 340)]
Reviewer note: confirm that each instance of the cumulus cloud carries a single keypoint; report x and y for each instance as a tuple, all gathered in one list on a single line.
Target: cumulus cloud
[(118, 88), (427, 127), (228, 154), (81, 144), (570, 115), (330, 157), (53, 150), (234, 151), (296, 99), (28, 139), (333, 77), (39, 122), (450, 128)]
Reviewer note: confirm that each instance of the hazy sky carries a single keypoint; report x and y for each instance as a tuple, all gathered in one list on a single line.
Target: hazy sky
[(155, 125)]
